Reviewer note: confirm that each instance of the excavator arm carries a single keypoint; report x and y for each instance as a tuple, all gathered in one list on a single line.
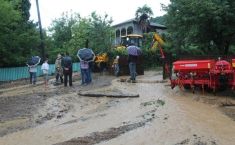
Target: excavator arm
[(157, 40)]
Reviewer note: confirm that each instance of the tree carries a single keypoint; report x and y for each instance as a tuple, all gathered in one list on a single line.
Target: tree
[(9, 18), (23, 7), (18, 36), (81, 32), (27, 35), (61, 29), (142, 15), (205, 24), (96, 29), (101, 32), (70, 33), (160, 20)]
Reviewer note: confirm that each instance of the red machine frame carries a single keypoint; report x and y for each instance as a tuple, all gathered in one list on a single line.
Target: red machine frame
[(211, 74)]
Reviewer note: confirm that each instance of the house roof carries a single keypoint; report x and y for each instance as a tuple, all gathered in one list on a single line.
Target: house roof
[(134, 20), (124, 22), (157, 25)]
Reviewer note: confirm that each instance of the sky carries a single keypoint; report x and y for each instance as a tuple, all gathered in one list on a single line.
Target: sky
[(119, 10)]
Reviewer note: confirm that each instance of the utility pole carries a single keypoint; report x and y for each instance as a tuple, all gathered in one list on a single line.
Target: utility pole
[(41, 34)]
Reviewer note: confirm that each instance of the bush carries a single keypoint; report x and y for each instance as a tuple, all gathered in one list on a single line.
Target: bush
[(150, 58)]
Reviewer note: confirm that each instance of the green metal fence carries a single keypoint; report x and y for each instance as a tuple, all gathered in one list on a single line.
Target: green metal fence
[(15, 73)]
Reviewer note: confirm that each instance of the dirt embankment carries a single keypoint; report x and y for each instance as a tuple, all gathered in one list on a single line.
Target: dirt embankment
[(158, 115)]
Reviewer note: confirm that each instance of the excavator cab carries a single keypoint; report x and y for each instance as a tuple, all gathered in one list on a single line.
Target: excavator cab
[(131, 38)]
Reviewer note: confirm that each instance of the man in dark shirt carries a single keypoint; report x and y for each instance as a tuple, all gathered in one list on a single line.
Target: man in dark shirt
[(67, 69)]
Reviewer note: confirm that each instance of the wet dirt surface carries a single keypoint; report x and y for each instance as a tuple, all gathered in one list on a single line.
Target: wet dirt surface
[(31, 115), (98, 137), (19, 102)]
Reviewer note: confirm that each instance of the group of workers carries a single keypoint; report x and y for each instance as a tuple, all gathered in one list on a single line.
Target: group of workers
[(64, 69)]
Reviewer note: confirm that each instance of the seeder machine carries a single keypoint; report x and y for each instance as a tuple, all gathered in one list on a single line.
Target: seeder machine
[(207, 74)]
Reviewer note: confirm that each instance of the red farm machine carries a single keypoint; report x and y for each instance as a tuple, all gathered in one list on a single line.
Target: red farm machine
[(207, 74)]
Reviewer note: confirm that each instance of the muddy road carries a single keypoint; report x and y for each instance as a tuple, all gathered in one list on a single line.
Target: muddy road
[(30, 115)]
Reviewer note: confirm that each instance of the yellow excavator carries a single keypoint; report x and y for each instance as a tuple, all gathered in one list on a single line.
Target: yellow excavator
[(132, 38), (137, 40), (101, 62), (101, 58)]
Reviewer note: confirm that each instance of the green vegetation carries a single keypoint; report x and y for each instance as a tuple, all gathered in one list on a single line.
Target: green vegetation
[(203, 27), (18, 36), (70, 32), (142, 15), (159, 20)]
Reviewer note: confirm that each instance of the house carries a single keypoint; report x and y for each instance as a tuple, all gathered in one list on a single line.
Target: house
[(133, 27)]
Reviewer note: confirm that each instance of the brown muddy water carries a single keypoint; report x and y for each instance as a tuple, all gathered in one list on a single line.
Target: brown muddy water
[(31, 115)]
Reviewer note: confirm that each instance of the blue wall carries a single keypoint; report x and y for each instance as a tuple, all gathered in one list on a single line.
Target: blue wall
[(15, 73)]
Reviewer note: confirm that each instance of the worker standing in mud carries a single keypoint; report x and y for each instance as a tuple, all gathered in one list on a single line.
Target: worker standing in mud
[(86, 57), (67, 65), (133, 52), (116, 66), (84, 67), (90, 64), (59, 69), (132, 67), (33, 74), (32, 65), (45, 70)]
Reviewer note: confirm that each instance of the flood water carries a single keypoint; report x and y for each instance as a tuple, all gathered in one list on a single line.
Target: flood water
[(166, 117)]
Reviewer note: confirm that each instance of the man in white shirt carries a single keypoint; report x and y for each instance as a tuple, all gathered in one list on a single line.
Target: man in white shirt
[(45, 69)]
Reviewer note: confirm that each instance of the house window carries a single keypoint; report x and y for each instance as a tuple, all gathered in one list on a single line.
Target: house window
[(123, 32), (117, 33), (129, 30)]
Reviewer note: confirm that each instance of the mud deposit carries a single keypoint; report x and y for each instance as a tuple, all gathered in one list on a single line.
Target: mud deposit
[(31, 115), (18, 109), (98, 137), (229, 111), (19, 102)]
